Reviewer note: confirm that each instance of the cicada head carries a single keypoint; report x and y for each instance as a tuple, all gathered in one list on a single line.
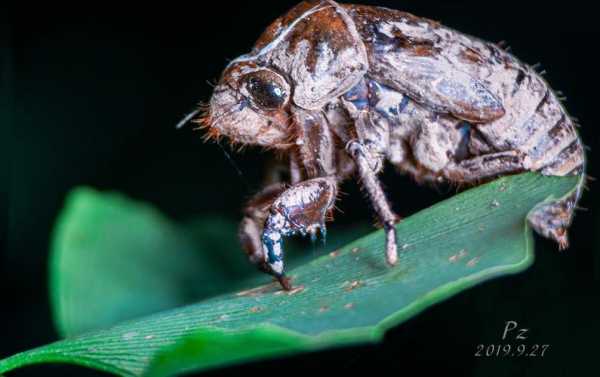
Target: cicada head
[(304, 60), (249, 106)]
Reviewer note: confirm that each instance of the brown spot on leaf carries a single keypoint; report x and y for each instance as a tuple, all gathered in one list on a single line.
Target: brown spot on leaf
[(292, 291), (253, 292), (458, 256), (355, 284), (472, 262)]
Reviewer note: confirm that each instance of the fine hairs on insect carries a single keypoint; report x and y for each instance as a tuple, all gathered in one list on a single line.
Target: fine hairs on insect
[(338, 89)]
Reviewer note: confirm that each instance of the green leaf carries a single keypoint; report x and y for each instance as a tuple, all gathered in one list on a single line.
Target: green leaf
[(105, 273), (347, 297), (121, 259)]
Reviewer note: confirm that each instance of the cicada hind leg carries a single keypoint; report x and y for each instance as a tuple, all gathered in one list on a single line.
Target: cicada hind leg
[(552, 219)]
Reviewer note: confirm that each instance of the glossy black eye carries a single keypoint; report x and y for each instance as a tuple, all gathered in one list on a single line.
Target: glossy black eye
[(265, 90)]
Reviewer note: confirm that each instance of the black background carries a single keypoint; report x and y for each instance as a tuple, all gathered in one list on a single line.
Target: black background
[(90, 95)]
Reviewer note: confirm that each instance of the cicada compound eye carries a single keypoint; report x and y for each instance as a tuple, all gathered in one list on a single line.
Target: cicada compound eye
[(267, 89)]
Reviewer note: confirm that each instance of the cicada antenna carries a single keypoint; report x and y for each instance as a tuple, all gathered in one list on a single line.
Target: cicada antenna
[(239, 172), (187, 119), (235, 166)]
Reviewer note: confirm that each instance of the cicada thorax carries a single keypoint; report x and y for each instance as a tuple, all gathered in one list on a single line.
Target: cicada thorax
[(317, 46)]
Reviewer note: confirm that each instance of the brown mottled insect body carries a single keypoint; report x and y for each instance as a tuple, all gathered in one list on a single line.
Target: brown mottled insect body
[(343, 88)]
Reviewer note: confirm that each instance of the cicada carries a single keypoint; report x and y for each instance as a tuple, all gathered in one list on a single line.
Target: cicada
[(340, 89)]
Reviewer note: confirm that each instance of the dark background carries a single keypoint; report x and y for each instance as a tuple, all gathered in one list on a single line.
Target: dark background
[(90, 96)]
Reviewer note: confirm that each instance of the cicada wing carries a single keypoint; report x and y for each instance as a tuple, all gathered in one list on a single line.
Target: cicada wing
[(438, 85), (436, 66)]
